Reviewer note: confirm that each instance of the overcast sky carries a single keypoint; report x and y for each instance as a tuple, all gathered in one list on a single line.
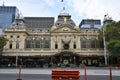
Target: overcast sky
[(78, 9)]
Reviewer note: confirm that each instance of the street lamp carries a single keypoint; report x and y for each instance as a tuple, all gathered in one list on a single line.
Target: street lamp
[(105, 52), (106, 21), (17, 48)]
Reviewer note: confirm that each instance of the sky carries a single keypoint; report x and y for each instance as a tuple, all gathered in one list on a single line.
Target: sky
[(78, 9)]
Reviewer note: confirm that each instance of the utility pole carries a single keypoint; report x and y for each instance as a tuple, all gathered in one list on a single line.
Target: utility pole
[(17, 46), (104, 41), (106, 21)]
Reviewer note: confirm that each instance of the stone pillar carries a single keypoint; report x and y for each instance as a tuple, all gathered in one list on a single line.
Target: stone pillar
[(22, 42), (52, 42), (78, 44)]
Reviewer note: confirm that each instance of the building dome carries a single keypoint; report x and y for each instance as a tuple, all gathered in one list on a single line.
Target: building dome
[(64, 14)]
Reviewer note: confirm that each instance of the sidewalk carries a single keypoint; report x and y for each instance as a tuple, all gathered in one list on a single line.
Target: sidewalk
[(48, 71)]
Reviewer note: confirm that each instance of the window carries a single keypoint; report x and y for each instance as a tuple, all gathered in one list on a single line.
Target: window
[(93, 43), (47, 43), (42, 42), (28, 42), (83, 43), (10, 46), (74, 46), (88, 43), (37, 43), (56, 46), (32, 43)]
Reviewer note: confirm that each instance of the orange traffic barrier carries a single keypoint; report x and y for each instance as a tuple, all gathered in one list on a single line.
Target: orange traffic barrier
[(19, 75), (85, 75), (110, 72), (65, 75)]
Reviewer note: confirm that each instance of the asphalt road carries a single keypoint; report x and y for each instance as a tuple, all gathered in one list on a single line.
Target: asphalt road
[(48, 77), (45, 74)]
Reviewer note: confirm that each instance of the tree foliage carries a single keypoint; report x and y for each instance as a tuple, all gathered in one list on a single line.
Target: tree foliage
[(112, 36), (112, 31), (114, 47), (3, 42)]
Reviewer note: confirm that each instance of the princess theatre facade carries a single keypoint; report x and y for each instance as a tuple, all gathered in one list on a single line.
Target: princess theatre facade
[(39, 42)]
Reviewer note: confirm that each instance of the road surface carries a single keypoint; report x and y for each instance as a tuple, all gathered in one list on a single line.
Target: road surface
[(45, 74)]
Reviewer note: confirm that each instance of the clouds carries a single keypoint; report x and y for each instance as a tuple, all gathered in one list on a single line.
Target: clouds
[(50, 3), (79, 9), (95, 8)]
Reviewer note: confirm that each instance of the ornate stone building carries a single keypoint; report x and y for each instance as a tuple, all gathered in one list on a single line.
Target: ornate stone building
[(60, 44)]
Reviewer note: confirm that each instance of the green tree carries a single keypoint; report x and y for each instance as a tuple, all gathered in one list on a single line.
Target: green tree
[(112, 36), (112, 31), (3, 42), (114, 47)]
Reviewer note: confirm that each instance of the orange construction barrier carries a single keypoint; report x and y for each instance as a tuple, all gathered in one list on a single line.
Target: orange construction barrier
[(85, 75), (65, 75), (19, 75), (110, 72)]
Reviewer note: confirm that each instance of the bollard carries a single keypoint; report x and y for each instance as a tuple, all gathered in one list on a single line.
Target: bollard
[(19, 75), (110, 72), (85, 75)]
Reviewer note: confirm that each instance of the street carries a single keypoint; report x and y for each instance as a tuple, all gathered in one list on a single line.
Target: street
[(45, 74)]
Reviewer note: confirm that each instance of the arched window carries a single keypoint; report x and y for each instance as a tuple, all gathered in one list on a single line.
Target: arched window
[(37, 42), (28, 42), (93, 43), (74, 45), (83, 43), (32, 43), (42, 43), (56, 46), (97, 44), (47, 43), (88, 43), (10, 45)]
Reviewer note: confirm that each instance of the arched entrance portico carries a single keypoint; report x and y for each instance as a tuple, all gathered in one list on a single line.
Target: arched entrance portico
[(71, 59), (66, 59)]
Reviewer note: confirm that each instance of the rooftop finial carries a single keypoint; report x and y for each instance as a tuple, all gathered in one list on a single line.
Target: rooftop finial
[(64, 12)]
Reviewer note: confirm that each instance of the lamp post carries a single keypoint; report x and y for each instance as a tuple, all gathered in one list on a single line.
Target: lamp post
[(16, 58), (104, 41), (17, 46)]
